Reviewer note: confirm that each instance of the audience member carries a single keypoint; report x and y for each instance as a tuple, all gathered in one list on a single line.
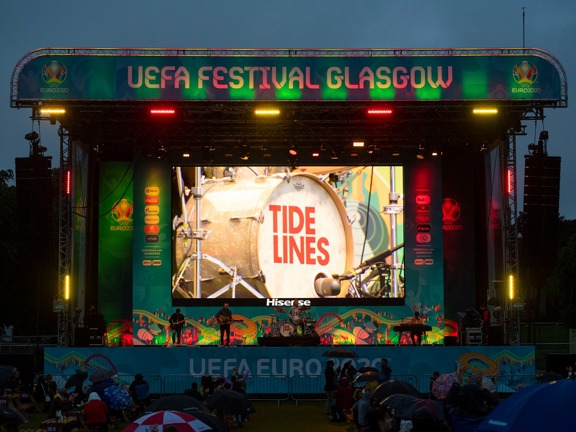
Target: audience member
[(96, 413), (194, 392), (378, 419), (467, 404), (343, 400), (140, 392), (330, 386), (385, 371)]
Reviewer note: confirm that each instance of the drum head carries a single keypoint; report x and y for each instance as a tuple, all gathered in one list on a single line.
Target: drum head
[(287, 328), (278, 234)]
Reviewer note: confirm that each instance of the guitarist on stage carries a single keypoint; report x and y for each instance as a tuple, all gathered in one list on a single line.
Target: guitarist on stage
[(224, 317), (176, 321)]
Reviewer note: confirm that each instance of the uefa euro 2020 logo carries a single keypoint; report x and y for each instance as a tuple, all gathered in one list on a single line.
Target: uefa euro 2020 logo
[(54, 73), (122, 211), (525, 73)]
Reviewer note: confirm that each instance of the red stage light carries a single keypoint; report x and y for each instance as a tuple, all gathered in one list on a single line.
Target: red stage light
[(162, 111), (379, 111), (68, 182), (509, 181)]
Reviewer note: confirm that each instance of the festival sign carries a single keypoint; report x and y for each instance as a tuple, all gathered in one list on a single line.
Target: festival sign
[(323, 75)]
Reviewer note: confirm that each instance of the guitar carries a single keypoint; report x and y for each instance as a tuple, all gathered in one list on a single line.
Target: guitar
[(222, 319), (175, 324)]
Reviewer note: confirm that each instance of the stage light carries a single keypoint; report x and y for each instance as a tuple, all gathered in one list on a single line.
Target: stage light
[(267, 111), (315, 154), (421, 152), (31, 136), (485, 111), (52, 111), (293, 150), (358, 144), (511, 288), (67, 287), (68, 182), (162, 111), (244, 152), (379, 111)]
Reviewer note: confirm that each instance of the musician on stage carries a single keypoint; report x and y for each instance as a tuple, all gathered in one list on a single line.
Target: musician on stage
[(176, 321), (416, 335), (224, 317), (296, 317)]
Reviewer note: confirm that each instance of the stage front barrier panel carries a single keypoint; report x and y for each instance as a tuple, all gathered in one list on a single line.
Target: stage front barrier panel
[(307, 387), (269, 387)]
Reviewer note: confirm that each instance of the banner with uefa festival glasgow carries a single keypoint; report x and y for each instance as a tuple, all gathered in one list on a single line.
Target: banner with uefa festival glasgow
[(283, 75)]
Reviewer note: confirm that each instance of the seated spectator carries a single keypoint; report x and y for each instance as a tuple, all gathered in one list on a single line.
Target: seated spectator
[(467, 404), (61, 404), (360, 408), (378, 419), (96, 413), (140, 392), (194, 392)]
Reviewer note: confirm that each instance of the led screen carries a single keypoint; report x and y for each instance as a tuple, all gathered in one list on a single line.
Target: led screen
[(251, 234)]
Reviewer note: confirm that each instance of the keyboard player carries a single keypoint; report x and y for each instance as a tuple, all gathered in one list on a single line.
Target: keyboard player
[(416, 334)]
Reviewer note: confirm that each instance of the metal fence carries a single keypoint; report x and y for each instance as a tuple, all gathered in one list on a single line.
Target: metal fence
[(297, 388)]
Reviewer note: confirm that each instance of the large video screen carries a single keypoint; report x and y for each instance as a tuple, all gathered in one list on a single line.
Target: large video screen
[(262, 235)]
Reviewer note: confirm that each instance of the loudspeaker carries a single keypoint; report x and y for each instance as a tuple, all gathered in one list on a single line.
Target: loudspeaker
[(34, 203), (541, 183)]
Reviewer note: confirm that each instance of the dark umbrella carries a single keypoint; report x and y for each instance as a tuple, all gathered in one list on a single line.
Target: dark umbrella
[(230, 402), (6, 372), (77, 379), (400, 404), (339, 353), (368, 369), (210, 419), (547, 376), (100, 375), (11, 416), (393, 387), (366, 377), (180, 403), (544, 406)]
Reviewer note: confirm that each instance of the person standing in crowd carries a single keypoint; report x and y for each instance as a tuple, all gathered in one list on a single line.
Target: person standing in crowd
[(385, 371), (344, 400), (140, 392), (416, 335), (96, 413), (224, 318), (348, 371), (361, 408), (330, 386), (176, 321)]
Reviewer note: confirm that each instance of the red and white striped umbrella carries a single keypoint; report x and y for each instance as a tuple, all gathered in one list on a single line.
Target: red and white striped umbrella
[(161, 421)]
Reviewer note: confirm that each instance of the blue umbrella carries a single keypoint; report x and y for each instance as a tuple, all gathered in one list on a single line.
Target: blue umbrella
[(545, 406)]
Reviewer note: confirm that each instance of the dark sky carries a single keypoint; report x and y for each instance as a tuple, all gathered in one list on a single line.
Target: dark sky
[(549, 25)]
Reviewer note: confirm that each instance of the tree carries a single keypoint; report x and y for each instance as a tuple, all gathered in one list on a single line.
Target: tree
[(561, 285)]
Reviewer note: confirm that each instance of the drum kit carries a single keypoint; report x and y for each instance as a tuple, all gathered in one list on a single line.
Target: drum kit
[(299, 319)]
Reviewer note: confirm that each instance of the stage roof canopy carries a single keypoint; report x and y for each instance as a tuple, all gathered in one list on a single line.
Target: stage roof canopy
[(392, 100)]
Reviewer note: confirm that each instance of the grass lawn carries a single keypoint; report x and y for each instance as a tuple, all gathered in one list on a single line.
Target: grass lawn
[(288, 416)]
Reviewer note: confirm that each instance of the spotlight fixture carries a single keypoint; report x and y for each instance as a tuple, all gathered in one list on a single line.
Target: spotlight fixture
[(244, 152), (421, 151), (267, 111), (293, 150), (485, 111)]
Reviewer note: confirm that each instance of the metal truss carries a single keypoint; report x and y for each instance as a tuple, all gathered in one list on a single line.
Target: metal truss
[(64, 241)]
